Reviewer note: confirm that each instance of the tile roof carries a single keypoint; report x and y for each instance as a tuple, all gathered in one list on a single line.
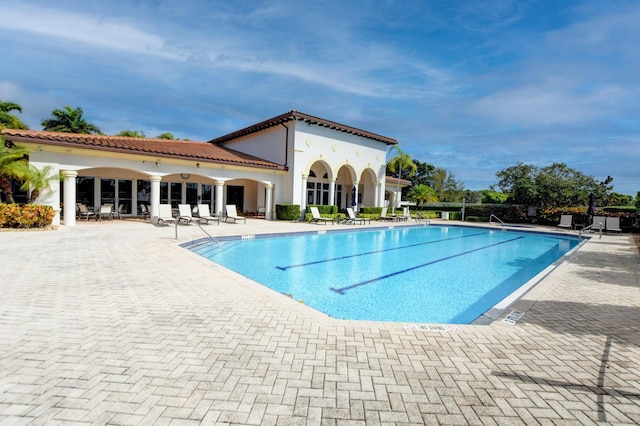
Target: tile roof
[(186, 150), (394, 180), (295, 115)]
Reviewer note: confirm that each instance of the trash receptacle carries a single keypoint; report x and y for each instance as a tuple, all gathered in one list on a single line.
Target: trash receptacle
[(444, 215)]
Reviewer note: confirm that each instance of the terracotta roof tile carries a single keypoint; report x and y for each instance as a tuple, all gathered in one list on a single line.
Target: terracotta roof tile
[(188, 150)]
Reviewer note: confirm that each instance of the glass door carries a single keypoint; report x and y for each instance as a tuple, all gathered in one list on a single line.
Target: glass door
[(125, 192)]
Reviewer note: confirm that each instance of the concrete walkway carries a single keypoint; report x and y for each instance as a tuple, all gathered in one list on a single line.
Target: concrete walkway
[(113, 323)]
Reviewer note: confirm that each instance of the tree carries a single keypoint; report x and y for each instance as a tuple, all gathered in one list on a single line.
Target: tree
[(519, 182), (558, 185), (399, 163), (37, 180), (637, 201), (12, 166), (69, 120), (494, 197), (132, 134), (8, 120), (422, 194), (447, 188), (166, 135)]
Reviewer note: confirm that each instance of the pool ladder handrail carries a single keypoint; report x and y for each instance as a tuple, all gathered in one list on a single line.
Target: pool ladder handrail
[(591, 227), (493, 216), (203, 230)]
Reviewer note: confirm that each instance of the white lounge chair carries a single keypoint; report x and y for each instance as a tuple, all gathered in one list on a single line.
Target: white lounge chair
[(613, 225), (405, 214), (315, 217), (598, 224), (383, 215), (84, 211), (353, 219), (164, 214), (205, 214), (184, 214), (566, 221), (233, 214)]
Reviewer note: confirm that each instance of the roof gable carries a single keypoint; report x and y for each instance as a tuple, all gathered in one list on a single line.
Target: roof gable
[(299, 116)]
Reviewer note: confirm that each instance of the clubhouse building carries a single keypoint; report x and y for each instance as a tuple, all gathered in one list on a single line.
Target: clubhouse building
[(293, 158)]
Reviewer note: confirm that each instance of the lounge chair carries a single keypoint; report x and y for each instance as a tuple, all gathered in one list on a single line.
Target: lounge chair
[(144, 209), (613, 225), (405, 214), (353, 219), (106, 210), (566, 221), (315, 217), (383, 215), (184, 214), (598, 223), (118, 212), (233, 214), (164, 214), (205, 214), (83, 211)]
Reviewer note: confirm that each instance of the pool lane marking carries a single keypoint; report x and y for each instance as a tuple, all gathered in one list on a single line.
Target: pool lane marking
[(343, 290), (284, 268)]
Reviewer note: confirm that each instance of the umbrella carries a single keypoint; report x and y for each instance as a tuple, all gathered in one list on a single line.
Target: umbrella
[(592, 205)]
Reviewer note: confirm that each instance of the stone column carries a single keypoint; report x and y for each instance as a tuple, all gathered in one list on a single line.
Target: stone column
[(155, 197), (303, 200), (376, 194), (332, 191), (219, 206), (69, 196), (267, 202)]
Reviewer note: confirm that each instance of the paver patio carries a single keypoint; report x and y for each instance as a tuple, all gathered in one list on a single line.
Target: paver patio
[(113, 323)]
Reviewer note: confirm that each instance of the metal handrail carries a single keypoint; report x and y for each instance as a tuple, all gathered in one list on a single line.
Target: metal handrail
[(199, 226), (493, 216), (600, 226)]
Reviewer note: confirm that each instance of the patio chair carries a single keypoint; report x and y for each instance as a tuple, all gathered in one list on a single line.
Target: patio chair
[(598, 223), (83, 211), (118, 212), (405, 214), (566, 221), (144, 209), (316, 218), (164, 214), (184, 214), (613, 225), (106, 210), (205, 214), (232, 213), (353, 219), (383, 215)]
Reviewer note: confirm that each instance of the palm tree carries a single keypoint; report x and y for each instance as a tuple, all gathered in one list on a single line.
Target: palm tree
[(166, 135), (132, 134), (423, 194), (8, 120), (69, 120), (399, 163), (12, 166), (37, 180)]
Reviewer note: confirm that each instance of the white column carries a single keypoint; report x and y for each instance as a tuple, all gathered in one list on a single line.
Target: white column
[(155, 197), (376, 194), (303, 200), (69, 197), (219, 206), (267, 203), (332, 191)]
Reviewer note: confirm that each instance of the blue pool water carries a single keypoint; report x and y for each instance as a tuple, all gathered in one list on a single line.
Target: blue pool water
[(441, 274)]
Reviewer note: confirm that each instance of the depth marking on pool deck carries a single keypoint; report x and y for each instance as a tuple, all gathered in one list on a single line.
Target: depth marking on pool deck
[(343, 290), (284, 268)]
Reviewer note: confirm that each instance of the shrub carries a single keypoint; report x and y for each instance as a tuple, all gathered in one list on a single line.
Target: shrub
[(287, 211), (323, 210), (619, 209), (25, 216)]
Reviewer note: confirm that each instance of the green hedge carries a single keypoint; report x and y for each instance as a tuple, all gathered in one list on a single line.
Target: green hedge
[(25, 216), (288, 211)]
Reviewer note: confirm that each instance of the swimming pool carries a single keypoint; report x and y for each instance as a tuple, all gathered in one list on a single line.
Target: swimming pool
[(439, 274)]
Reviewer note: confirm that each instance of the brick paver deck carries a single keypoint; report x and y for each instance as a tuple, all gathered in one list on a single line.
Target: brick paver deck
[(113, 323)]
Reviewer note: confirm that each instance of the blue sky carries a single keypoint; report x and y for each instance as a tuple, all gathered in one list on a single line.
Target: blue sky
[(471, 86)]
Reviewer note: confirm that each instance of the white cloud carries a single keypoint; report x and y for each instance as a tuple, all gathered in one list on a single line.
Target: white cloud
[(83, 28)]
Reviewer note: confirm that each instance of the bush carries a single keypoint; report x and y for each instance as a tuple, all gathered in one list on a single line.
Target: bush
[(25, 216), (288, 211), (619, 209)]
